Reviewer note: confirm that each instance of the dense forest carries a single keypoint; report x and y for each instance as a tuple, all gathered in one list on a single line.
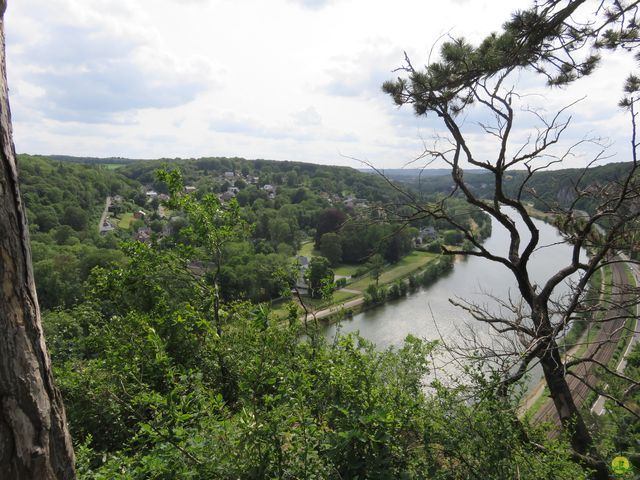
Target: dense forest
[(163, 380), (64, 203), (545, 189), (182, 300), (282, 204)]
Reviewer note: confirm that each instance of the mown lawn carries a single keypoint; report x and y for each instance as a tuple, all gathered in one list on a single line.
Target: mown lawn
[(279, 309), (125, 221), (306, 250), (404, 267), (346, 270)]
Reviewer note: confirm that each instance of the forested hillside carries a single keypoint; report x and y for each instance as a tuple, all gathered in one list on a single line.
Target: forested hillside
[(170, 318), (165, 368), (222, 386), (545, 189), (346, 215), (64, 202)]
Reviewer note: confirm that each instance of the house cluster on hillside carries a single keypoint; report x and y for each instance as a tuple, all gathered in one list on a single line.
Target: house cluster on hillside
[(232, 191), (151, 194), (353, 202)]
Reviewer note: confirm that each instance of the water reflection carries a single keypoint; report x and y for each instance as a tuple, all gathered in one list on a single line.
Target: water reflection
[(429, 314)]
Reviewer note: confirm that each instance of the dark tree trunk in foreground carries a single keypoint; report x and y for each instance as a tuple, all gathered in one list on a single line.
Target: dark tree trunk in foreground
[(34, 441)]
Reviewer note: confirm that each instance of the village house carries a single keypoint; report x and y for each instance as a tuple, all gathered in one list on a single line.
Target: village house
[(106, 227), (426, 234), (143, 234), (226, 196), (301, 284), (353, 202)]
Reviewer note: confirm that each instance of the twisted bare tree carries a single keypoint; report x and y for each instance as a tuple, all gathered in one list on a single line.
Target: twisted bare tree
[(547, 40)]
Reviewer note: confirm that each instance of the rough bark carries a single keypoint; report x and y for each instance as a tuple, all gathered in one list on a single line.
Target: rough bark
[(34, 440), (570, 417)]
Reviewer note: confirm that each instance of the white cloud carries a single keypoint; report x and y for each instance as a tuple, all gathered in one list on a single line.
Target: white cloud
[(363, 73), (307, 117), (88, 70), (286, 79), (312, 4)]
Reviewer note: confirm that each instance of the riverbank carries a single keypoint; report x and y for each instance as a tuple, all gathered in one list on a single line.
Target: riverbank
[(416, 269)]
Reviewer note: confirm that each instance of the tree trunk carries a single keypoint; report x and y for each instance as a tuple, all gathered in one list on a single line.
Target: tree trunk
[(570, 417), (34, 440)]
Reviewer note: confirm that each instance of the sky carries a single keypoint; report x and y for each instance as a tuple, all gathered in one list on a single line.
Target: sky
[(280, 79)]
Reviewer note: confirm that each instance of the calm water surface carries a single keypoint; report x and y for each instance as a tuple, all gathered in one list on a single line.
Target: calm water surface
[(428, 313)]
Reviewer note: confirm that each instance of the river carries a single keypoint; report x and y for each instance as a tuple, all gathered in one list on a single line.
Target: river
[(428, 313)]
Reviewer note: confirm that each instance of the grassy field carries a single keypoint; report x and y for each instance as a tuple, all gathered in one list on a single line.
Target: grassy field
[(279, 309), (306, 249), (608, 281), (404, 267), (125, 221), (111, 166), (629, 326), (630, 277), (593, 328), (580, 325), (346, 270), (320, 303)]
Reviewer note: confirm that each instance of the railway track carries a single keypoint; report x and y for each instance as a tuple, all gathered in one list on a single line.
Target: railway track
[(601, 349)]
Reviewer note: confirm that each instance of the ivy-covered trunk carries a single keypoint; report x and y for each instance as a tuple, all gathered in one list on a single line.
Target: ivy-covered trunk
[(34, 440)]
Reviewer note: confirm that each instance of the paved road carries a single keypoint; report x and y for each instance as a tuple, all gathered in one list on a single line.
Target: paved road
[(601, 349), (107, 203), (335, 308)]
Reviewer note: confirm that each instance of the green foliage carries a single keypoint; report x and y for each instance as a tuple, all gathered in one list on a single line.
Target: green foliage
[(75, 217), (305, 409), (330, 220), (64, 201), (164, 379), (331, 248), (453, 237), (374, 295), (516, 450), (376, 267), (319, 277), (58, 192), (398, 289), (543, 38), (211, 224), (157, 386), (619, 427)]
